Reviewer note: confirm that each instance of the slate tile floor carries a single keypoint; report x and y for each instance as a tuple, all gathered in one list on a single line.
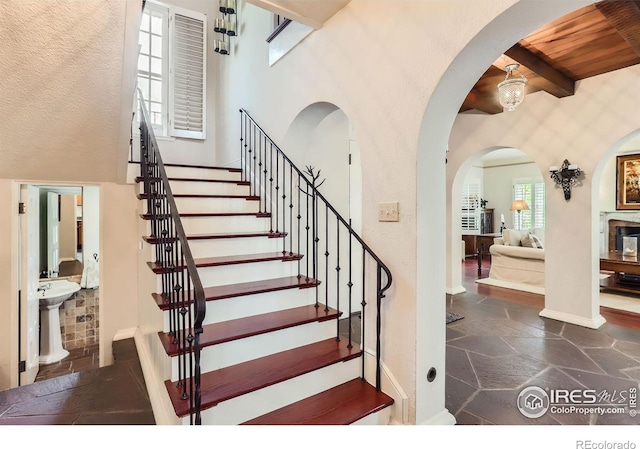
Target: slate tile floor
[(501, 347), (114, 394)]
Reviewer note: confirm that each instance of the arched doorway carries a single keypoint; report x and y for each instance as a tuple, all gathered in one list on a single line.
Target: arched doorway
[(437, 122)]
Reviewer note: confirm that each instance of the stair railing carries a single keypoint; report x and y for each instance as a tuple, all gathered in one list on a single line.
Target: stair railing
[(181, 287), (313, 227)]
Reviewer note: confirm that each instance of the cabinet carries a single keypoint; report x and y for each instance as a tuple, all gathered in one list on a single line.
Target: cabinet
[(486, 221)]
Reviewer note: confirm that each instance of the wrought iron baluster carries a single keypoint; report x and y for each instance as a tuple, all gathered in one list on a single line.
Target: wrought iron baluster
[(350, 285), (363, 309), (277, 198), (298, 217), (307, 228), (241, 145), (378, 323), (338, 276), (271, 188), (263, 193), (290, 210), (259, 175), (284, 207), (326, 257)]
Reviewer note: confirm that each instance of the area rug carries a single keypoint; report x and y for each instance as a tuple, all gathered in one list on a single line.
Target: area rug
[(451, 317), (512, 285)]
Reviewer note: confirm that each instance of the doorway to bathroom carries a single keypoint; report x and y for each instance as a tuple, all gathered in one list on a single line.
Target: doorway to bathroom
[(58, 249)]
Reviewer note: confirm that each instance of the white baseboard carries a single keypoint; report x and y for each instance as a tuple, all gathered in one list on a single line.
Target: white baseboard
[(592, 323), (444, 418), (123, 334), (160, 403), (390, 386), (455, 290)]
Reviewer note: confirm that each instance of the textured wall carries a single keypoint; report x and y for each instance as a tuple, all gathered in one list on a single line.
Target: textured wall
[(61, 69)]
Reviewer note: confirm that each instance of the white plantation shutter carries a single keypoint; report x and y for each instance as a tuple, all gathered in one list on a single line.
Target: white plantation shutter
[(187, 83), (533, 193), (471, 207)]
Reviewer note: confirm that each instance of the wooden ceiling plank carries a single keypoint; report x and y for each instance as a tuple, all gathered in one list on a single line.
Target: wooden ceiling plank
[(625, 18), (559, 84)]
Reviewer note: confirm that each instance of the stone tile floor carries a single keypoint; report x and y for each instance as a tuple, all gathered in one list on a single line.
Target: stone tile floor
[(79, 359), (501, 347), (115, 394)]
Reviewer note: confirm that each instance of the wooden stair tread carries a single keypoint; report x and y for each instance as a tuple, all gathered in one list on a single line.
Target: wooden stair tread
[(224, 181), (144, 196), (235, 259), (212, 214), (225, 331), (246, 288), (205, 167), (341, 405), (269, 234), (233, 381)]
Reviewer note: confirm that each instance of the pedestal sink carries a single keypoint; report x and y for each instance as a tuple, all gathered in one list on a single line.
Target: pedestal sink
[(52, 294)]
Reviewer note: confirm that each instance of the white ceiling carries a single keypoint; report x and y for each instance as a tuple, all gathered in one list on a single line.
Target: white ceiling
[(504, 156), (313, 13)]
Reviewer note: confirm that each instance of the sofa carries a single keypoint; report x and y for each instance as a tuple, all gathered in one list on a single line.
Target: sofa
[(518, 257)]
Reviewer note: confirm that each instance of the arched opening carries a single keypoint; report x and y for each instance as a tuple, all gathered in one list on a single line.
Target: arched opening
[(613, 222), (479, 196), (321, 136), (437, 122)]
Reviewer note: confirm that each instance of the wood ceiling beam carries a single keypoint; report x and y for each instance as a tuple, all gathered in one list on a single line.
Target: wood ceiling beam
[(554, 82), (482, 101), (625, 18)]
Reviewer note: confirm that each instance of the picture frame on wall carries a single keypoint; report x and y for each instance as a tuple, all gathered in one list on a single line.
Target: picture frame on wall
[(628, 182)]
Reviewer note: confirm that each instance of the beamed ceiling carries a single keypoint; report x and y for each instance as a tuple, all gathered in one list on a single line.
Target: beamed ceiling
[(597, 39)]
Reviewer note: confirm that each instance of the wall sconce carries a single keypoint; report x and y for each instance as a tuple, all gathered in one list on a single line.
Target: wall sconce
[(565, 177)]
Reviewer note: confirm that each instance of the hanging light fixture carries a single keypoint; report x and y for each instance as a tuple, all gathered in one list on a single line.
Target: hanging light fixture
[(511, 90)]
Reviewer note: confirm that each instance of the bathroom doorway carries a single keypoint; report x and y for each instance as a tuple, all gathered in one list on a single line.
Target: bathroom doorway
[(59, 242)]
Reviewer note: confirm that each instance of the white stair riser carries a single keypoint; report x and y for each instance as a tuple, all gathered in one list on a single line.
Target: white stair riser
[(258, 271), (243, 306), (238, 351), (230, 246), (209, 188), (213, 205), (265, 400), (202, 173), (224, 224)]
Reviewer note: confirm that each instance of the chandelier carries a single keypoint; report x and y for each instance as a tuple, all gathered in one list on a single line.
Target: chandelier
[(511, 90)]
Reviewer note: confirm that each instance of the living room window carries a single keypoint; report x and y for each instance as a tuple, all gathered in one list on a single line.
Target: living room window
[(171, 69), (533, 193), (471, 207)]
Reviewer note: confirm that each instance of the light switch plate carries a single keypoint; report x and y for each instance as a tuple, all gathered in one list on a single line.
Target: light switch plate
[(388, 212)]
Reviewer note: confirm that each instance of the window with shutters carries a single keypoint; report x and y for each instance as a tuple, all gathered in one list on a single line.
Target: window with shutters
[(471, 207), (171, 69), (532, 191)]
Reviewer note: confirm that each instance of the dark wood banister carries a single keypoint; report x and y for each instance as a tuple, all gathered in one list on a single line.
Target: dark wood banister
[(200, 300)]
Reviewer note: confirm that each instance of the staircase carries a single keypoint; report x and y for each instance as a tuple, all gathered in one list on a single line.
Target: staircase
[(271, 349)]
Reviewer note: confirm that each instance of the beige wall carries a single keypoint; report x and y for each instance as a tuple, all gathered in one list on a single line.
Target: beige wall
[(8, 284), (118, 263)]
